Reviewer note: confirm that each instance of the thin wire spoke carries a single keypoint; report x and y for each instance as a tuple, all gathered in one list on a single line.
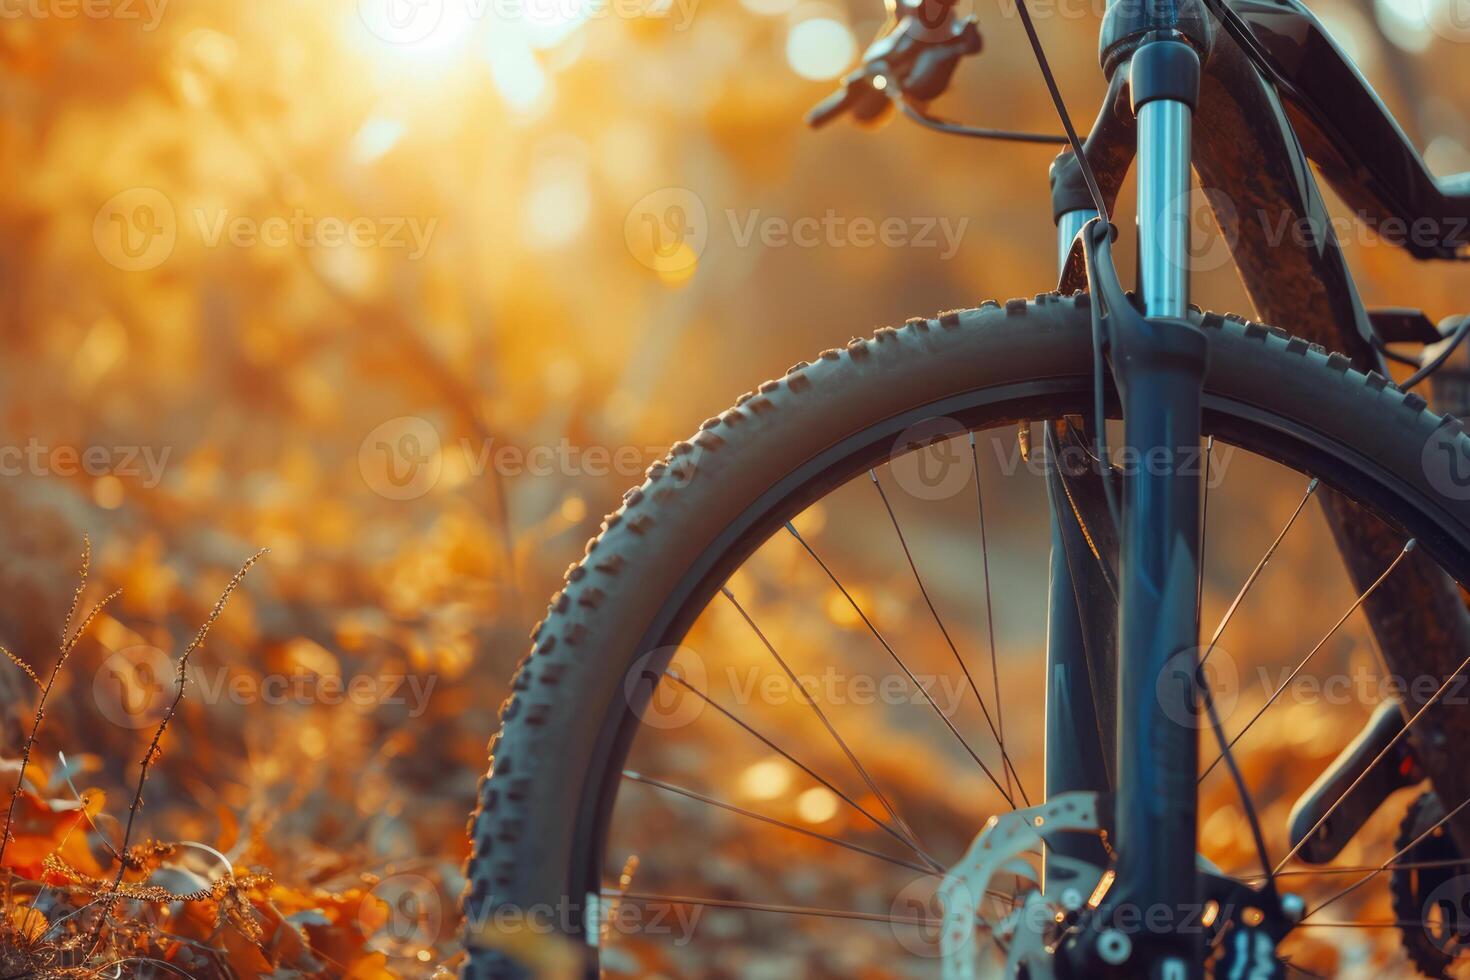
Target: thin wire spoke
[(1384, 866), (1408, 547), (1365, 924), (1360, 868), (1206, 695), (1237, 778), (880, 824), (1256, 572), (1377, 759), (816, 835), (1204, 530), (1009, 766), (989, 606), (822, 716), (903, 666), (730, 903)]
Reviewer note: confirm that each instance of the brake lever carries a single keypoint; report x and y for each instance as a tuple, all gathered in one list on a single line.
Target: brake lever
[(916, 59), (863, 93), (934, 65)]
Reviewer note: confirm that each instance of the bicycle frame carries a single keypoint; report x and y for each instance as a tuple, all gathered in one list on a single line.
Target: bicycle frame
[(1141, 696)]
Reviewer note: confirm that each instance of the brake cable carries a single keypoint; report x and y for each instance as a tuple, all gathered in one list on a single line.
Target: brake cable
[(1093, 190), (1456, 339), (974, 132)]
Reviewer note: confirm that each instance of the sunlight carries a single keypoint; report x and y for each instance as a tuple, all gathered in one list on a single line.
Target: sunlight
[(1405, 23), (518, 77), (820, 48)]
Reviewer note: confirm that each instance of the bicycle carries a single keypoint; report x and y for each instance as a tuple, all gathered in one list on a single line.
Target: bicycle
[(1245, 92)]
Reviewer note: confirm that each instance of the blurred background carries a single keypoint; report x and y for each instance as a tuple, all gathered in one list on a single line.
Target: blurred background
[(408, 291)]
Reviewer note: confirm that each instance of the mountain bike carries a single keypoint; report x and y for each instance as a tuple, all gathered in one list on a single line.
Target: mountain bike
[(1062, 879)]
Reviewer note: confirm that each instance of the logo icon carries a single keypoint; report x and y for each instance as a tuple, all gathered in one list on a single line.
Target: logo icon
[(1449, 19), (1446, 915), (1446, 462), (1214, 229), (665, 702), (401, 459), (1182, 684), (134, 686), (403, 914), (401, 21), (930, 461), (135, 230), (667, 230), (918, 917)]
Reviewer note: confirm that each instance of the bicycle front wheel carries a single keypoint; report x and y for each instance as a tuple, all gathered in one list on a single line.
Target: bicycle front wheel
[(829, 759)]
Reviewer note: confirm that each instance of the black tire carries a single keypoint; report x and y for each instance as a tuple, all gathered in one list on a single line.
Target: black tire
[(542, 807)]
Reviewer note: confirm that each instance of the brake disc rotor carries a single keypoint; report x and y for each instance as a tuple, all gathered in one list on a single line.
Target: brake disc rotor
[(1031, 931)]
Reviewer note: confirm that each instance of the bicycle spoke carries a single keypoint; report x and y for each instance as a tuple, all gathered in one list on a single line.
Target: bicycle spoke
[(731, 807), (1385, 865), (1256, 572), (1360, 868), (1204, 529), (1235, 776), (902, 666), (822, 716), (989, 606), (881, 825), (1009, 766), (1408, 547), (1365, 924), (1377, 759)]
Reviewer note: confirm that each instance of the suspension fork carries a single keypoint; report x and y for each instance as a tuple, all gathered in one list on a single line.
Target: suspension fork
[(1158, 365)]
